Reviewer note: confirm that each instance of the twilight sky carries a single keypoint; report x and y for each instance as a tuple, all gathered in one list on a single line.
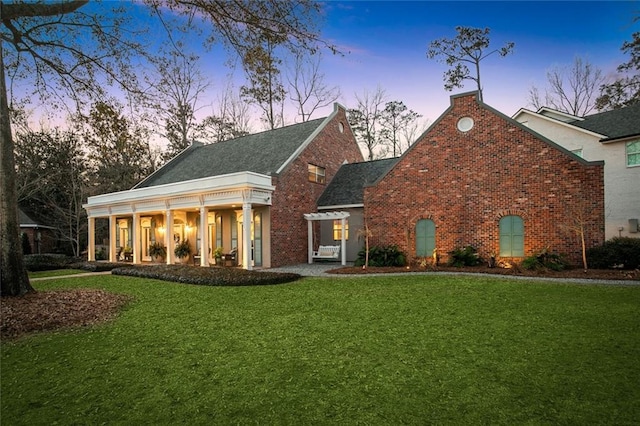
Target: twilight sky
[(388, 43)]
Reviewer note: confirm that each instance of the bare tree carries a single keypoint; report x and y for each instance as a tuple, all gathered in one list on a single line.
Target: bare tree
[(581, 217), (365, 234), (468, 47), (177, 89), (571, 89), (307, 88), (412, 132), (231, 119), (364, 119), (265, 88), (394, 120)]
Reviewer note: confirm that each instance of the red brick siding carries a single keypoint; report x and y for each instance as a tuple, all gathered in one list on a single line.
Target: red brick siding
[(465, 182), (295, 195)]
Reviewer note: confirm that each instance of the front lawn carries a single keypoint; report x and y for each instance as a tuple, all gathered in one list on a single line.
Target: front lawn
[(383, 350)]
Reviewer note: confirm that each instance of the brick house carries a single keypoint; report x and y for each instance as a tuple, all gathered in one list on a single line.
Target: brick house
[(205, 194), (477, 177), (42, 238)]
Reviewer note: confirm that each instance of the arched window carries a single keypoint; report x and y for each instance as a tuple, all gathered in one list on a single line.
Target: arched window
[(511, 236), (425, 237)]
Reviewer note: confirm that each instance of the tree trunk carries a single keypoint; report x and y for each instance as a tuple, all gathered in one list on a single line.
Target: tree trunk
[(14, 280)]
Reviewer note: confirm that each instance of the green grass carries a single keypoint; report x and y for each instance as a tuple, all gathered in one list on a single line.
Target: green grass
[(383, 350), (55, 273)]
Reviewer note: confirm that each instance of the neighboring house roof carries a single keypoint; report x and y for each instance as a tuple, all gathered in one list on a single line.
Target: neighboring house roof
[(26, 222), (615, 124), (347, 186), (265, 153)]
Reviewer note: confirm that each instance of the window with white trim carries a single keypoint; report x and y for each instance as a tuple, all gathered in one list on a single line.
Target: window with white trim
[(337, 230), (633, 153), (316, 174)]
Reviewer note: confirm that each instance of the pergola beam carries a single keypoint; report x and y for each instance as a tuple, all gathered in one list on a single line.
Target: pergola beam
[(327, 216)]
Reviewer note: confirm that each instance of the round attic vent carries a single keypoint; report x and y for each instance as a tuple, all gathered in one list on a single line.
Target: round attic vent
[(465, 124)]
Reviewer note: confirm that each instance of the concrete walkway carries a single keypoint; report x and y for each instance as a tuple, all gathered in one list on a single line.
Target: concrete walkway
[(83, 274), (320, 270)]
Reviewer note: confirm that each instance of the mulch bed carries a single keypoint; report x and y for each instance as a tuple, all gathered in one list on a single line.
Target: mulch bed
[(52, 310), (595, 274)]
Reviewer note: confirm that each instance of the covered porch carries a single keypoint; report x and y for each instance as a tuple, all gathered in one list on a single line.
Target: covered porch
[(229, 212)]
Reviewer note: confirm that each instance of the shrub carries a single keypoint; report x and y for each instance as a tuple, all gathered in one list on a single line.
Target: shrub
[(26, 244), (206, 276), (382, 256), (102, 254), (467, 256), (95, 266), (545, 260), (47, 262), (618, 252)]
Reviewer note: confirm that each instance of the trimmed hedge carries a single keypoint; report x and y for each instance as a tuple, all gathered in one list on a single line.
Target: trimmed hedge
[(96, 266), (212, 276), (618, 253), (47, 262)]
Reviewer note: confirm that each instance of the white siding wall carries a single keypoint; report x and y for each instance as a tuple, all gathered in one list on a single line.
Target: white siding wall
[(622, 183)]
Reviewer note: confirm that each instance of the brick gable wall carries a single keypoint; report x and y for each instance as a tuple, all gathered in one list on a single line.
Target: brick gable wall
[(465, 182), (295, 195)]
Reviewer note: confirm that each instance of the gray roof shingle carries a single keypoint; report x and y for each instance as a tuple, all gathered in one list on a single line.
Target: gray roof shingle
[(263, 153), (615, 124), (347, 186)]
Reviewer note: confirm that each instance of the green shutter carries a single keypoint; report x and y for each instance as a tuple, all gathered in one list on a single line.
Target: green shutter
[(425, 237), (511, 236)]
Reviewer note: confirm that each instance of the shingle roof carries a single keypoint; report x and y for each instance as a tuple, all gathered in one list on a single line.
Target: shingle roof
[(347, 186), (25, 220), (615, 124), (261, 153)]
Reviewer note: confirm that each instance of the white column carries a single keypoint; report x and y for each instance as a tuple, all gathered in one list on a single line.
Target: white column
[(168, 235), (343, 249), (204, 237), (135, 238), (113, 236), (91, 249), (310, 241), (246, 236)]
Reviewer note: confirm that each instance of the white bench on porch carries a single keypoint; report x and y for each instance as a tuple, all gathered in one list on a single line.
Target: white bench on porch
[(327, 253)]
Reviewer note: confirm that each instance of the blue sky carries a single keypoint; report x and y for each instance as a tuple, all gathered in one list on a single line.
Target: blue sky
[(388, 41)]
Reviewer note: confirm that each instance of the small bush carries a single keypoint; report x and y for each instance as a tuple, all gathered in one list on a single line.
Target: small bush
[(618, 252), (382, 256), (545, 260), (102, 254), (95, 266), (467, 256), (206, 276)]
